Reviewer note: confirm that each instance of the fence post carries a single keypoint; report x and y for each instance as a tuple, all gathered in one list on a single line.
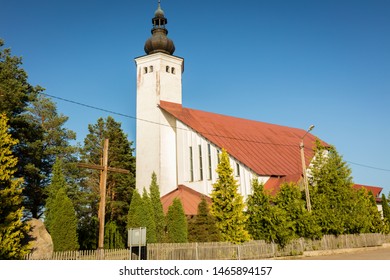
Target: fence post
[(196, 251), (273, 248)]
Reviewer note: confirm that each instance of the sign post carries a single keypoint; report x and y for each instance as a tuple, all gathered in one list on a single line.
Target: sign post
[(136, 237)]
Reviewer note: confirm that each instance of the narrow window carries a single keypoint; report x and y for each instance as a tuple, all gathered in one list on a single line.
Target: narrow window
[(209, 157), (173, 70), (200, 163), (191, 166), (151, 68), (167, 69), (237, 170), (145, 70)]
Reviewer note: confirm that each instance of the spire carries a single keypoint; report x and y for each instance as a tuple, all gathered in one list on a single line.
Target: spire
[(159, 42)]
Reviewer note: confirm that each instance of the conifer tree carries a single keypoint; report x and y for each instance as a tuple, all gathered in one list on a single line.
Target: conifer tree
[(302, 223), (202, 227), (385, 207), (135, 215), (12, 228), (177, 223), (37, 126), (159, 217), (119, 186), (259, 211), (141, 215), (149, 223), (385, 210), (331, 190), (266, 221), (58, 181), (63, 223), (227, 204), (112, 237)]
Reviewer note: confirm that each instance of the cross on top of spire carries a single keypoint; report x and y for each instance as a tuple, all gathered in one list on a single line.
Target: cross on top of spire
[(159, 42)]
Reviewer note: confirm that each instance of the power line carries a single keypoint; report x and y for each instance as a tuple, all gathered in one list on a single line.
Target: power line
[(161, 124), (180, 128), (368, 166)]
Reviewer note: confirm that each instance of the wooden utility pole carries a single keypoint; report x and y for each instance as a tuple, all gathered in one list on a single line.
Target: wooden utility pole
[(104, 168), (305, 183)]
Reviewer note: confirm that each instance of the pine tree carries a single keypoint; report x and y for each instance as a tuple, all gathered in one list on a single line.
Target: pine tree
[(159, 217), (13, 229), (119, 186), (17, 99), (202, 227), (63, 223), (227, 204), (177, 223), (54, 143)]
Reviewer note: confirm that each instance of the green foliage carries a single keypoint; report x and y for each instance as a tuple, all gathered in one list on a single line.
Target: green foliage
[(135, 215), (303, 224), (279, 219), (331, 190), (177, 223), (267, 221), (366, 218), (16, 92), (141, 215), (63, 223), (202, 227), (151, 236), (38, 128), (385, 207), (338, 208), (112, 237), (119, 186), (57, 182), (13, 229), (60, 216), (385, 210), (228, 205), (258, 211), (159, 217)]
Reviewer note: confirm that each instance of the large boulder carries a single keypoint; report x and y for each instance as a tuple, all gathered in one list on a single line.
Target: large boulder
[(41, 240)]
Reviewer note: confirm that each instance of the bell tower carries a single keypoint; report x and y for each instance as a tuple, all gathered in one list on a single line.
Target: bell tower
[(159, 78)]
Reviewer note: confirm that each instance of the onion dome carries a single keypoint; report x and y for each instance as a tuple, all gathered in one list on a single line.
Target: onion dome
[(159, 42)]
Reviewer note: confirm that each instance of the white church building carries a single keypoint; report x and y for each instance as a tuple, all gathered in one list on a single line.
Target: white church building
[(181, 145)]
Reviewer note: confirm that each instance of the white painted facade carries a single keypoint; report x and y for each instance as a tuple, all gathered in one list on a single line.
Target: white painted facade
[(198, 170), (158, 78), (166, 146)]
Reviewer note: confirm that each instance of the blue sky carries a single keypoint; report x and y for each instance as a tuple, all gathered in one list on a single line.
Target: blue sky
[(293, 63)]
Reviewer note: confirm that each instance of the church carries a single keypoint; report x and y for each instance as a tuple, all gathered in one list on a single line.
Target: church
[(182, 145)]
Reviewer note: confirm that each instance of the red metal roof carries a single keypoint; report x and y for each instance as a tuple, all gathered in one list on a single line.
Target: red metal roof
[(265, 148), (272, 186), (189, 198), (376, 191)]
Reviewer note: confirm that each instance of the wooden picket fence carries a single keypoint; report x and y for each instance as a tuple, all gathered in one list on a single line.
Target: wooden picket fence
[(226, 251)]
